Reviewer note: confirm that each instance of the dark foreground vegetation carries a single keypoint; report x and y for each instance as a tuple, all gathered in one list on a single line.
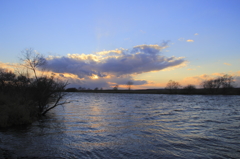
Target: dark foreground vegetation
[(25, 98)]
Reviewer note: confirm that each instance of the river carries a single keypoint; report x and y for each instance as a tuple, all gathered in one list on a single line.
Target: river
[(98, 125)]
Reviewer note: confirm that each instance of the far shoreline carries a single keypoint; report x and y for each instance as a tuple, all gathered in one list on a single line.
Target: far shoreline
[(234, 91)]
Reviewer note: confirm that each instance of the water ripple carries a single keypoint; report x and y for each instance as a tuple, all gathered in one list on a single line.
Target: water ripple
[(133, 126)]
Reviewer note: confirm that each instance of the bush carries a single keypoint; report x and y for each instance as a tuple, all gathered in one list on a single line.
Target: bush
[(33, 97), (172, 86), (16, 112), (189, 89), (71, 90), (31, 100)]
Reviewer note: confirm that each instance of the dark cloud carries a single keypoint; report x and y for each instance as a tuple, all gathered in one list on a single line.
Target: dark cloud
[(138, 63)]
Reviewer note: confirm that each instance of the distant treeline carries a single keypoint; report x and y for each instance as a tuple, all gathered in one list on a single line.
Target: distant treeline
[(222, 85), (201, 91)]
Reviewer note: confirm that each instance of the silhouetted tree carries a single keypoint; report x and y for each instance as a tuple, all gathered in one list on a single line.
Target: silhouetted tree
[(189, 88), (115, 88), (172, 86), (96, 89), (24, 98), (228, 81), (32, 60), (213, 85), (129, 83), (46, 91)]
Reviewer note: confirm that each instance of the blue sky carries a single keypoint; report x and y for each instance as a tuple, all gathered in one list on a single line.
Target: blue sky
[(204, 32)]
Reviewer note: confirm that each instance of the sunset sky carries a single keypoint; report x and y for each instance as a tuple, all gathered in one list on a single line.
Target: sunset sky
[(103, 43)]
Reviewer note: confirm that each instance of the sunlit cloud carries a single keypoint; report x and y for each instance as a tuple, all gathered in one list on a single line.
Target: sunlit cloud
[(114, 66), (191, 69), (196, 34), (218, 74), (117, 51), (227, 64), (190, 40), (7, 66)]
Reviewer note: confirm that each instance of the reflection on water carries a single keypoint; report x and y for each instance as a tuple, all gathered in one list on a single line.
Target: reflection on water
[(133, 126)]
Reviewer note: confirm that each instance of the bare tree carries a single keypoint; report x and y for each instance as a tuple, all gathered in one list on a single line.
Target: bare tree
[(228, 81), (46, 91), (213, 85), (115, 88), (129, 83), (32, 60), (172, 86)]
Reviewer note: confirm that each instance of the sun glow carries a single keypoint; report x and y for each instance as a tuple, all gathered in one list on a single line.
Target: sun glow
[(94, 77)]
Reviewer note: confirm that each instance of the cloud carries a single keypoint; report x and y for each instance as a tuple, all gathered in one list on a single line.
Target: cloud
[(117, 51), (196, 34), (7, 66), (107, 68), (181, 39), (218, 74), (119, 62), (191, 69), (190, 40), (227, 64)]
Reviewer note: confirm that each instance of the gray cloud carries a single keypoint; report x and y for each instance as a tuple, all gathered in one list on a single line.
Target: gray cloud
[(104, 83), (140, 59), (117, 66)]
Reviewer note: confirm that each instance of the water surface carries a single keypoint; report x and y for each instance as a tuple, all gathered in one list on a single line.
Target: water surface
[(95, 125)]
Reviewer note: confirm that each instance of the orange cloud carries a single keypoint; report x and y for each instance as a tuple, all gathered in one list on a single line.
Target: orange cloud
[(218, 74), (190, 40), (7, 66), (227, 64)]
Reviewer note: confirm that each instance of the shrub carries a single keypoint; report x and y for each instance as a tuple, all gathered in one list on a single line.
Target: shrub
[(16, 112), (189, 89), (33, 97), (71, 90), (172, 86)]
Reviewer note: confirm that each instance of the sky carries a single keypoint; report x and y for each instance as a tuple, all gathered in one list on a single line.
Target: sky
[(103, 43)]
